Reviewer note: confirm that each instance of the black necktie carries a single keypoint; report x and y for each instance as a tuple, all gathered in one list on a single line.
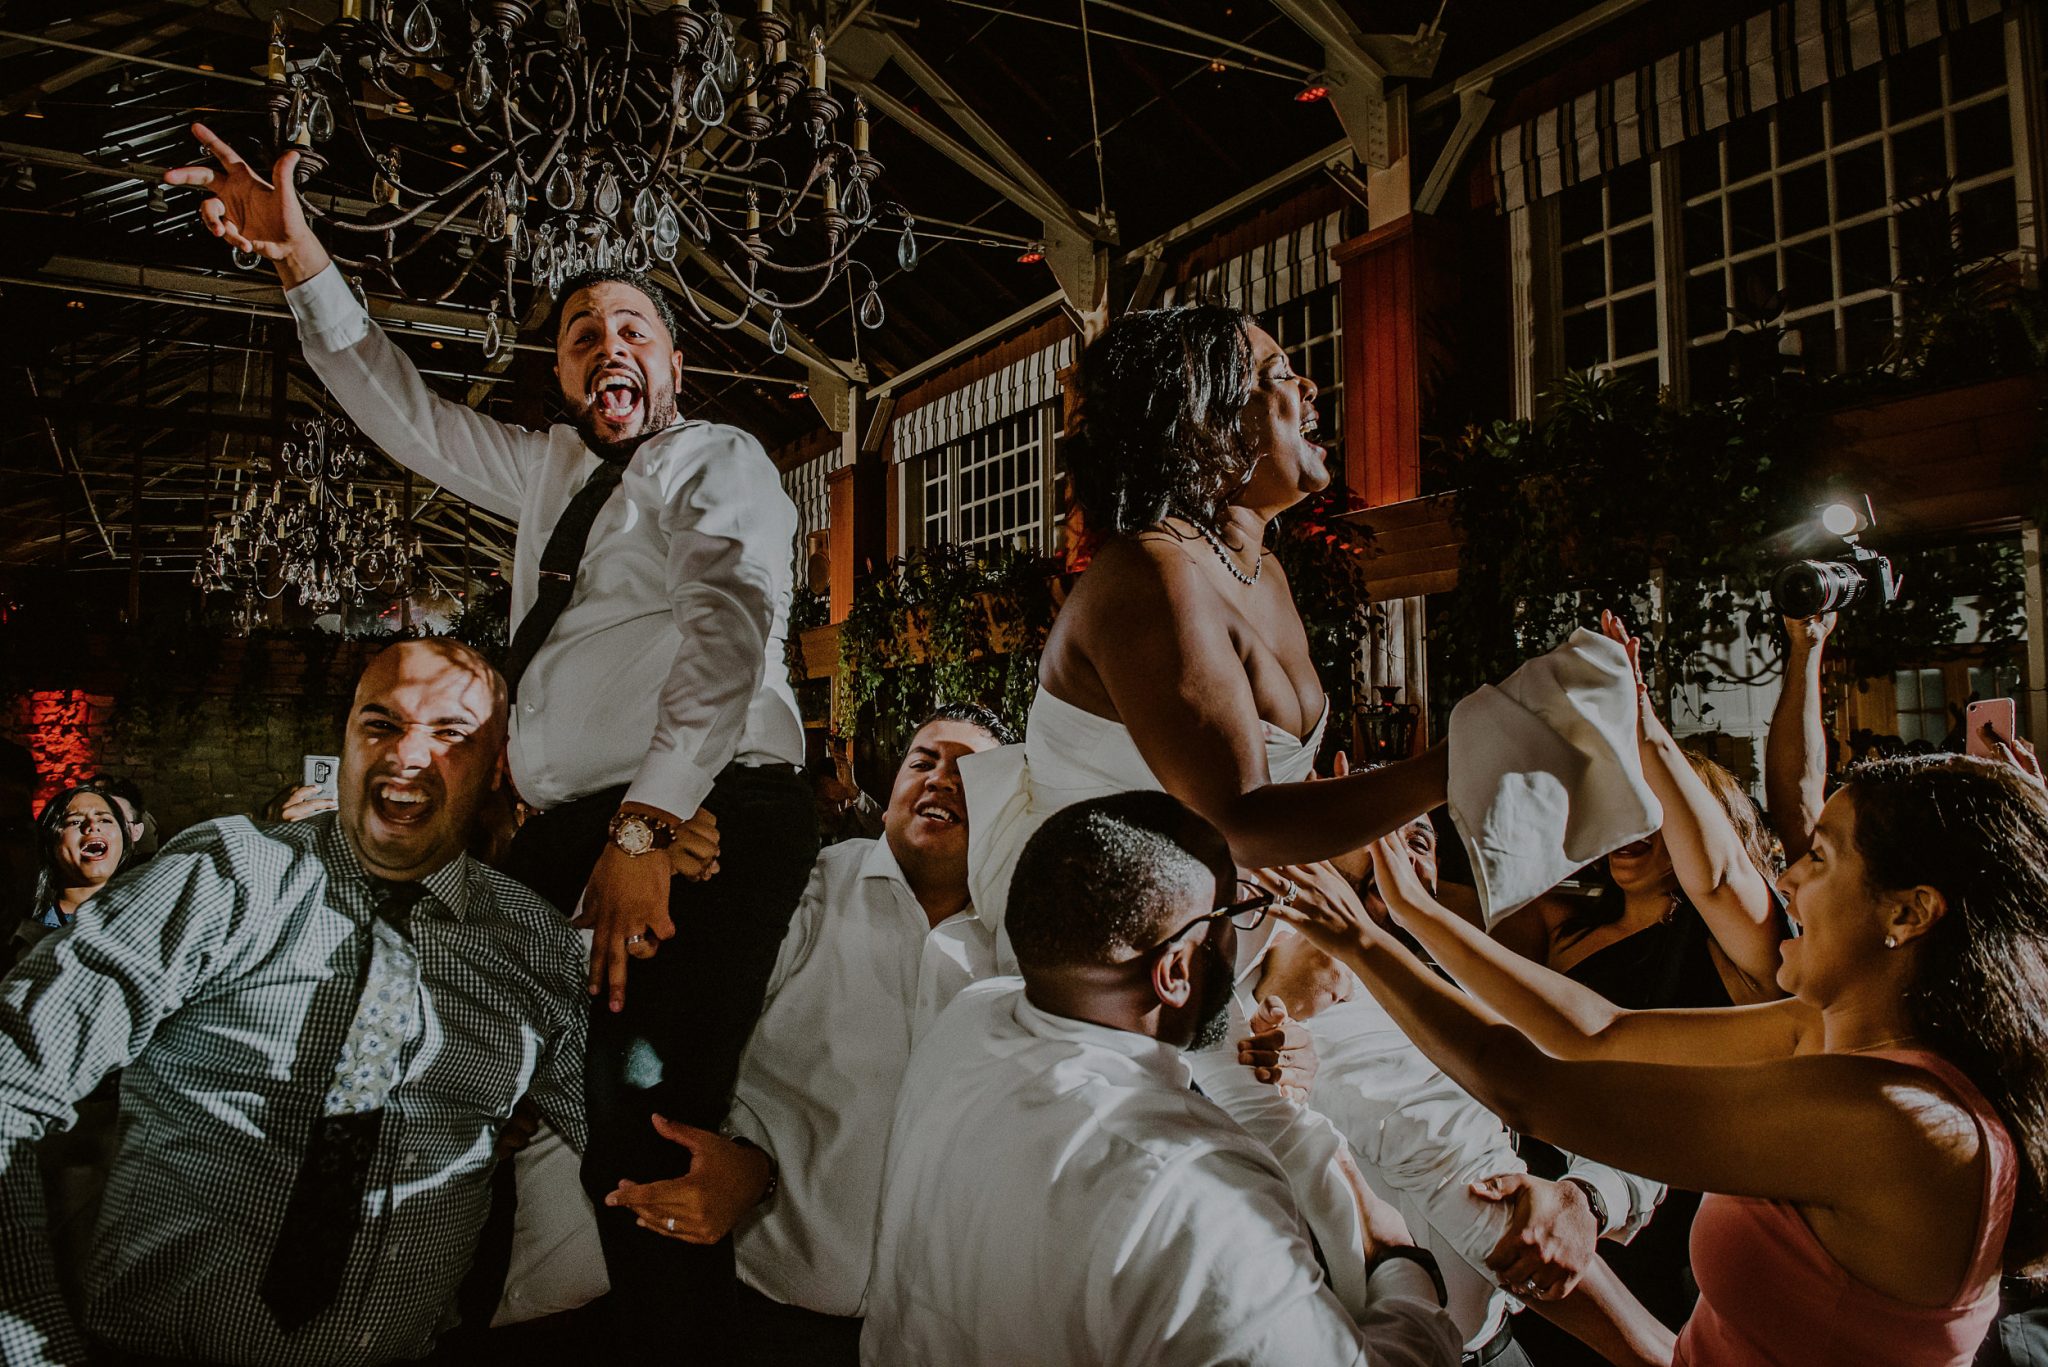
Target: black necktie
[(558, 564), (326, 1202)]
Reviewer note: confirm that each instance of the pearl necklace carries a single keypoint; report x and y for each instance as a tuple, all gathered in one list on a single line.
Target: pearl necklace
[(1223, 554)]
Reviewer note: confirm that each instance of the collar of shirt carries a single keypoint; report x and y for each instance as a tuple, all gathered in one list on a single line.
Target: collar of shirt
[(453, 887), (881, 863), (1165, 1061)]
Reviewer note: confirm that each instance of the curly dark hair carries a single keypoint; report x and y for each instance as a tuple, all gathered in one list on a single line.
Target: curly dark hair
[(1977, 832), (600, 275), (1160, 429), (973, 714)]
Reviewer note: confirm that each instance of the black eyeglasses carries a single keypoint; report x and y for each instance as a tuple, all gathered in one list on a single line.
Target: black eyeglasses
[(1247, 913)]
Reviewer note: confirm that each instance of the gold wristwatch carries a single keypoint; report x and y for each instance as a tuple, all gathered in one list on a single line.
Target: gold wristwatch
[(639, 833)]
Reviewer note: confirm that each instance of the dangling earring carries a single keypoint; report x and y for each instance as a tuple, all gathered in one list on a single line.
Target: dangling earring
[(1891, 942)]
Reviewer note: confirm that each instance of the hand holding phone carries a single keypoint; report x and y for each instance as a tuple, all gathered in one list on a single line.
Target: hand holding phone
[(1987, 724), (321, 772)]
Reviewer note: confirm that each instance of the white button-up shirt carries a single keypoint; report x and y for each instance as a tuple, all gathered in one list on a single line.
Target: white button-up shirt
[(861, 969), (1422, 1139), (668, 662), (1056, 1194)]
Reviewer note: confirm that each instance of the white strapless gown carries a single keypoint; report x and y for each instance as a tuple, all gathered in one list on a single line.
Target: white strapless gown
[(1069, 755)]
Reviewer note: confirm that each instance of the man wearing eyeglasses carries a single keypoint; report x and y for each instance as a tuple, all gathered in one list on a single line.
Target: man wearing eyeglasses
[(1057, 1190)]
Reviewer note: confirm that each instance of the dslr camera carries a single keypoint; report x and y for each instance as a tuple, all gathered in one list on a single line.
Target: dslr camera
[(1808, 588)]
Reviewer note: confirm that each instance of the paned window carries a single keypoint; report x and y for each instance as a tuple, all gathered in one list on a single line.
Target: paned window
[(1793, 211), (1923, 705), (1607, 273), (1790, 218), (988, 488)]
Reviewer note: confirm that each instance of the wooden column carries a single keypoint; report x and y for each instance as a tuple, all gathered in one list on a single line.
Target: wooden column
[(1392, 278), (843, 519)]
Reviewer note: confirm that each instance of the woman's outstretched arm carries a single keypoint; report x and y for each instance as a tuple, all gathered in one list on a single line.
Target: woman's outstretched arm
[(1666, 1121)]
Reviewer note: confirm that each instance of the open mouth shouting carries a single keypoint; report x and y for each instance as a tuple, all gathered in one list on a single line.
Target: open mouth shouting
[(617, 397), (1310, 426), (396, 803), (94, 849)]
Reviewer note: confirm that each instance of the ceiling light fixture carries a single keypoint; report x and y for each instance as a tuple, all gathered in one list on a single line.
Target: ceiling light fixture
[(1031, 255), (589, 151), (1314, 88)]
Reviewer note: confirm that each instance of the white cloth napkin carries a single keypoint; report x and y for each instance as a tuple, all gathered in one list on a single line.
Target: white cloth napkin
[(1545, 774)]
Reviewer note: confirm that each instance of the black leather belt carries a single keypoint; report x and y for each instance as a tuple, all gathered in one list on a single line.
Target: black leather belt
[(1494, 1348)]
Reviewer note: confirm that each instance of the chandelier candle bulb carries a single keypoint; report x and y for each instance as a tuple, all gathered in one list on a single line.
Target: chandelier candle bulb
[(781, 49), (275, 70), (860, 126), (831, 195), (817, 64)]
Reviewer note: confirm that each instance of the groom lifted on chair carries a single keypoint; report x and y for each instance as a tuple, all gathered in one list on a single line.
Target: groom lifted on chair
[(651, 717)]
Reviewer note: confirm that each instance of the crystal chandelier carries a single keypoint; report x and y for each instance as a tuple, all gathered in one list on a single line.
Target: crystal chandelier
[(324, 545), (675, 132)]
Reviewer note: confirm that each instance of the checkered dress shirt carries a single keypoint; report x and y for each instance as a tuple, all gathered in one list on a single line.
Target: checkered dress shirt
[(223, 976)]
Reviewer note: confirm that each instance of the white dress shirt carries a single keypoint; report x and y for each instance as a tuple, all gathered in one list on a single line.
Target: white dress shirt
[(1422, 1139), (1056, 1194), (668, 662), (860, 970)]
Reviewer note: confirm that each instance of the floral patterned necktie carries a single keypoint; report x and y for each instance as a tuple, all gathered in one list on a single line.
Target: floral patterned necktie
[(326, 1203)]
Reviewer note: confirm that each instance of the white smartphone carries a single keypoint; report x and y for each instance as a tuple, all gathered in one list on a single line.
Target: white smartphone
[(321, 771), (2000, 715)]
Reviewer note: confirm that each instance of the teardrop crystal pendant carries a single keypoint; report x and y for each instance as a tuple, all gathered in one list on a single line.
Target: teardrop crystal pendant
[(786, 218), (320, 120), (858, 207), (491, 218), (494, 335), (561, 187), (778, 335), (708, 103), (871, 311), (476, 83), (609, 197), (668, 233), (420, 28), (906, 247), (639, 256), (645, 208)]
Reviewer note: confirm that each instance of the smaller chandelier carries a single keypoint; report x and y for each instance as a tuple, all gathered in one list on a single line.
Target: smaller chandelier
[(322, 544)]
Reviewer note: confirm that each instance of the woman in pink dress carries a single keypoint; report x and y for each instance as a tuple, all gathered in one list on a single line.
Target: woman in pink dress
[(1874, 1145)]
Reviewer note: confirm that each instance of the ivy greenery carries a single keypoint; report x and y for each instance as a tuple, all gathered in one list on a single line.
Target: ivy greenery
[(945, 624), (1677, 516)]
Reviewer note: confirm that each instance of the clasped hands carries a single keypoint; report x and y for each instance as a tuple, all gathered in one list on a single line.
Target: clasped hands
[(625, 904)]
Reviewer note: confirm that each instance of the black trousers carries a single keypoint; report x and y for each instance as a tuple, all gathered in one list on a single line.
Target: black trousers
[(675, 1049), (776, 1335)]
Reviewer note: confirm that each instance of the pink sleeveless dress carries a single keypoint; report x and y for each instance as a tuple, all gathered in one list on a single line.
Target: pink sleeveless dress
[(1771, 1296)]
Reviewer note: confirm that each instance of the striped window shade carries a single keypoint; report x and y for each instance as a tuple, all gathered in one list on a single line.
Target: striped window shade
[(805, 485), (1752, 65), (987, 401), (1269, 275)]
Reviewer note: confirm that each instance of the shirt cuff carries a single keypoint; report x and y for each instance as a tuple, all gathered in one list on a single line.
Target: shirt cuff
[(329, 315), (671, 783)]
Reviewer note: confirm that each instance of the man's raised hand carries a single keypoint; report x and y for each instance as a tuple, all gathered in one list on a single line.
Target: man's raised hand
[(260, 216)]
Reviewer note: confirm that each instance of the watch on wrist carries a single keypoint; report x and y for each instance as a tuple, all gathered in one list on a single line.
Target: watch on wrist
[(1423, 1259), (639, 833), (1595, 1202)]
